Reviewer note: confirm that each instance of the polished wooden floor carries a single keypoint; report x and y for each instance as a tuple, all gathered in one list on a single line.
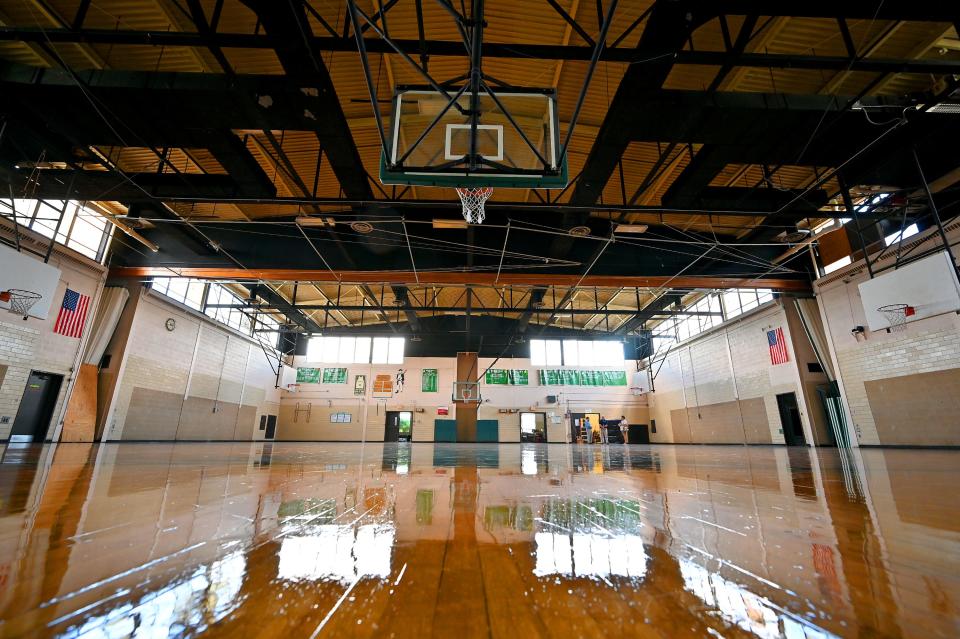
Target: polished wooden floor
[(446, 540)]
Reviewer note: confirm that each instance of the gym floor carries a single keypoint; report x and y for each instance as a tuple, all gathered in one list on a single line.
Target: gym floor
[(414, 540)]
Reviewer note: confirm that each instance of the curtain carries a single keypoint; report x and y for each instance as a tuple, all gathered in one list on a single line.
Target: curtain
[(809, 314), (105, 321)]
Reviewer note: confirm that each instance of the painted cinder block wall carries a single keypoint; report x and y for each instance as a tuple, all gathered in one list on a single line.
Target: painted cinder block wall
[(305, 413), (200, 381), (901, 388), (720, 386), (31, 345)]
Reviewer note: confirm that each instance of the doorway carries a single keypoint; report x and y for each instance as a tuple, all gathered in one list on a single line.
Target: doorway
[(271, 431), (790, 419), (36, 407), (576, 423), (533, 427), (399, 426)]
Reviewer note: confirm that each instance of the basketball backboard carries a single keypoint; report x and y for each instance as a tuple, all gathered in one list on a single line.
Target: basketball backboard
[(928, 285), (21, 271), (433, 141), (467, 392)]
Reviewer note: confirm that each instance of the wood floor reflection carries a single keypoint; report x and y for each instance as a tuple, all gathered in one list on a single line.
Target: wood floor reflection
[(381, 540)]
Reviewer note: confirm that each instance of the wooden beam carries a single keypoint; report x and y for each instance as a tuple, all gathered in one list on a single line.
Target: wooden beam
[(474, 278)]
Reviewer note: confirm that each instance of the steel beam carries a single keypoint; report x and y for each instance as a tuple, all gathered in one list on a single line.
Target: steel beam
[(484, 278), (407, 308), (490, 49)]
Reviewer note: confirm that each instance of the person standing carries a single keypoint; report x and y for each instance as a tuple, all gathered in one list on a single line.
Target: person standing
[(604, 433), (587, 430), (624, 427)]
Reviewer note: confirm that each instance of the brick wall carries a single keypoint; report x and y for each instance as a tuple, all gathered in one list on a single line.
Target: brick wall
[(706, 390), (925, 346), (31, 345), (199, 381)]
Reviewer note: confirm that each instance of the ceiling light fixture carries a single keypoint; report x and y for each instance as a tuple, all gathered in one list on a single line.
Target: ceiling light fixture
[(448, 223), (631, 228), (305, 220), (579, 231), (362, 227)]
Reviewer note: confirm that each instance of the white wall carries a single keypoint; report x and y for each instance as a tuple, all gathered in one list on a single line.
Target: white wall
[(199, 366), (320, 400), (712, 378), (31, 344)]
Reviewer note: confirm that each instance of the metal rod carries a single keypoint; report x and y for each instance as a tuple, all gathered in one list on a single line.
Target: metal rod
[(523, 135), (413, 264), (429, 128), (852, 212), (934, 211), (502, 252), (433, 83), (315, 250), (63, 211), (594, 59), (371, 88), (476, 63), (16, 225)]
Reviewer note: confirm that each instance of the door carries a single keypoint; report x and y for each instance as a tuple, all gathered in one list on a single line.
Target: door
[(399, 426), (36, 407), (391, 432), (271, 427), (638, 434), (790, 420), (576, 419)]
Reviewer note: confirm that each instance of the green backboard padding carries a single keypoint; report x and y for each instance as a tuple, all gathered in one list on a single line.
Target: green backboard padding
[(488, 430), (444, 430)]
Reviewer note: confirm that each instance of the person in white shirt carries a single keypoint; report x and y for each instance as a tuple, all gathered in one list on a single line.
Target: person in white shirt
[(587, 430), (624, 427)]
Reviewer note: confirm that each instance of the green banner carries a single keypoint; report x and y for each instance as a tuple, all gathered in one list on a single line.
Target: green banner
[(519, 377), (505, 377), (428, 380), (308, 375), (496, 376), (334, 376), (567, 377), (614, 378)]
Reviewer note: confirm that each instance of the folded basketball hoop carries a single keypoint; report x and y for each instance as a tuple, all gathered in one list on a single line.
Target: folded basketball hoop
[(473, 200), (21, 301), (897, 315)]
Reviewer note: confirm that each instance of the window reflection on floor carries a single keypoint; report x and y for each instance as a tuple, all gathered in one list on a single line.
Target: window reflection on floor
[(206, 596), (739, 606), (337, 553), (590, 555)]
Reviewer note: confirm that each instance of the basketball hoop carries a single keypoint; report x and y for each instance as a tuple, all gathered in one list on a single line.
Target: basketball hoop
[(473, 200), (897, 315), (20, 301)]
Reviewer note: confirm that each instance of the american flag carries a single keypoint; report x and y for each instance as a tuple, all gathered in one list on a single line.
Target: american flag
[(778, 347), (72, 315)]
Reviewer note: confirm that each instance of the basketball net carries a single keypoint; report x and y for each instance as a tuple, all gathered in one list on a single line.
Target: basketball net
[(473, 200), (897, 315)]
